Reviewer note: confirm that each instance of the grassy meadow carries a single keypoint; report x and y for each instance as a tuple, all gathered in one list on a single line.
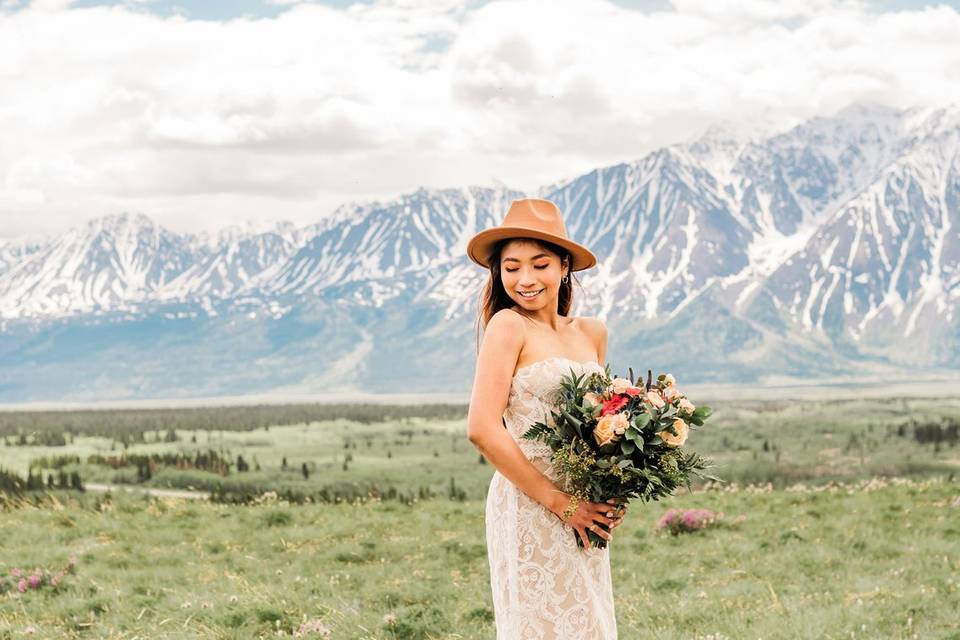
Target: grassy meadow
[(841, 520)]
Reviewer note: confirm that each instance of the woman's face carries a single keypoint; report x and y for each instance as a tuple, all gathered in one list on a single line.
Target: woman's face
[(527, 267)]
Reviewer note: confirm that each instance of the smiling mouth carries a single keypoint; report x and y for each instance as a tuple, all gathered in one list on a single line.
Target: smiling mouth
[(532, 294)]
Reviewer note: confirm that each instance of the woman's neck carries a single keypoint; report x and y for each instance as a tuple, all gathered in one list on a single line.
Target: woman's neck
[(550, 319)]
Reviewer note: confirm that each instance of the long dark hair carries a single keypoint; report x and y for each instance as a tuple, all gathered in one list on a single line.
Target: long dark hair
[(494, 296)]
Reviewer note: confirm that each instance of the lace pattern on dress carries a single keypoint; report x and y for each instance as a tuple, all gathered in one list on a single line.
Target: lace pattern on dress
[(544, 586)]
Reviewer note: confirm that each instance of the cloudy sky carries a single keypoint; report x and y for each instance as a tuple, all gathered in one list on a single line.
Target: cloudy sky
[(203, 113)]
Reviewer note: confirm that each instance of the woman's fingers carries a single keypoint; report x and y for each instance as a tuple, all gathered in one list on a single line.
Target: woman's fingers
[(601, 518), (617, 505), (617, 509), (584, 537), (599, 531), (602, 513)]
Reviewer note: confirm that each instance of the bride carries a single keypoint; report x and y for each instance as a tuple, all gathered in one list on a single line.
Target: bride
[(544, 586)]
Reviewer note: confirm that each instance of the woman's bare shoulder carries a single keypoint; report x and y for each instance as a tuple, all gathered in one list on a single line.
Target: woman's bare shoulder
[(505, 320), (594, 326), (596, 331)]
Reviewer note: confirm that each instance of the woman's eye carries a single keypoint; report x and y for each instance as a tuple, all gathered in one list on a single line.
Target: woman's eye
[(540, 267)]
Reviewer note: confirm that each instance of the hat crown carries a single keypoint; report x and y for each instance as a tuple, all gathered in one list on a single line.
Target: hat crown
[(533, 218), (535, 213)]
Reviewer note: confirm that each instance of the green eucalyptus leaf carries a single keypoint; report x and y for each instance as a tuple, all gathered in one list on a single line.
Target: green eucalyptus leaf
[(569, 417)]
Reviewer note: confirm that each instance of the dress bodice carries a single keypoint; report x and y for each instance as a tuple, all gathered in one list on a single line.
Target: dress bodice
[(533, 394)]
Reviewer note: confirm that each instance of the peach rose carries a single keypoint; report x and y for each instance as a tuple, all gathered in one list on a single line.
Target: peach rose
[(620, 385), (686, 406), (592, 398), (609, 428), (654, 398), (675, 440), (621, 421), (670, 393)]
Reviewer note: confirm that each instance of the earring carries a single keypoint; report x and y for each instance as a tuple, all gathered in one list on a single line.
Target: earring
[(565, 278)]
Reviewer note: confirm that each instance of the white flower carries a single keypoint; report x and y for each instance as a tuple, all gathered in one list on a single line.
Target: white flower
[(619, 385)]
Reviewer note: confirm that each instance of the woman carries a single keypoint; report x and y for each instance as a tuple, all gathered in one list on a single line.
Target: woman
[(544, 586)]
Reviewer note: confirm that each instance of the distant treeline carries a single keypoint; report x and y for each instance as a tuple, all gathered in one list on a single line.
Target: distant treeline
[(147, 464), (349, 492), (13, 484), (947, 431), (43, 427)]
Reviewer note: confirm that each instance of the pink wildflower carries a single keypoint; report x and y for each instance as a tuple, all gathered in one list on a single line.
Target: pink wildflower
[(677, 522)]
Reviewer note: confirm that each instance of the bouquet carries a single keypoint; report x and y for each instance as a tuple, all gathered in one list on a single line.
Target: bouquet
[(617, 438)]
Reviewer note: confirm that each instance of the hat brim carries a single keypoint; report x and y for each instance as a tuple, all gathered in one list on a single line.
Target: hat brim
[(479, 246)]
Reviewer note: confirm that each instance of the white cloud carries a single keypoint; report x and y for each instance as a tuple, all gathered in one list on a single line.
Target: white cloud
[(197, 123)]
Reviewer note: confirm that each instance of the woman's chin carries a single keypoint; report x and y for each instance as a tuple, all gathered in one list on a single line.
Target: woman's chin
[(534, 302)]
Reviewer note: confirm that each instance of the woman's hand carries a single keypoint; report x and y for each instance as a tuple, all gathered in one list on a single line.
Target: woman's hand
[(617, 513), (589, 515)]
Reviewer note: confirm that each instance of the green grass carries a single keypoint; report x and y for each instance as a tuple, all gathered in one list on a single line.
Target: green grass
[(880, 562), (873, 561)]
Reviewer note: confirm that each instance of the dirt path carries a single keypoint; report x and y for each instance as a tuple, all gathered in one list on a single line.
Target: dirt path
[(159, 493)]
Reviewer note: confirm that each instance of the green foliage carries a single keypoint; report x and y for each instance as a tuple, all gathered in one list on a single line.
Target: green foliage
[(277, 518)]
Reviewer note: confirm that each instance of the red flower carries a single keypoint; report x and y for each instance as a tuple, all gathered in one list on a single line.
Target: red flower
[(633, 391), (614, 404)]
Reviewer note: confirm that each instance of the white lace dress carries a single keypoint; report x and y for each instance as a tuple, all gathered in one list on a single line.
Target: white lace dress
[(544, 586)]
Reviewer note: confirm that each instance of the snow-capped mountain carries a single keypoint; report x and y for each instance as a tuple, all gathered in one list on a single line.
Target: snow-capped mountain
[(420, 231), (234, 260), (108, 264), (830, 248), (17, 249)]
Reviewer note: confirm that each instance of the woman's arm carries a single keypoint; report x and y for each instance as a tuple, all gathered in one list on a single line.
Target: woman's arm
[(502, 340)]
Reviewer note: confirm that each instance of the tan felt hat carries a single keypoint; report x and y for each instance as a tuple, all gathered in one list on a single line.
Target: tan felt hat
[(530, 218)]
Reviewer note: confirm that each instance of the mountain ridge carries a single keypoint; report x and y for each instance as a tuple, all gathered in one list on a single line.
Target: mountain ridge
[(829, 248)]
